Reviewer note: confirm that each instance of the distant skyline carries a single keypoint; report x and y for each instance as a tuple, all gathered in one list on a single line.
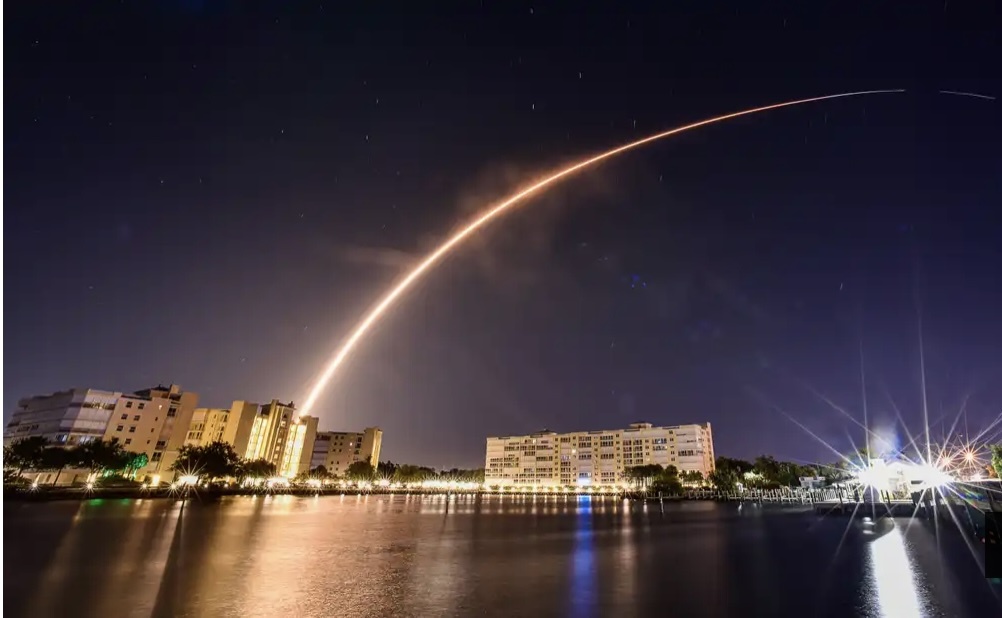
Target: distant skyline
[(212, 195)]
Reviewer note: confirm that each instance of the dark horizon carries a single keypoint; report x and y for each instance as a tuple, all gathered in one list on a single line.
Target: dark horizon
[(212, 195)]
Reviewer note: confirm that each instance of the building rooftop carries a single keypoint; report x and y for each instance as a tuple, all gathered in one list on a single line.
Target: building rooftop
[(632, 428)]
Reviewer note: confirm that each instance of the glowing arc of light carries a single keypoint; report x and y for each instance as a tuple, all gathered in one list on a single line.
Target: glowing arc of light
[(493, 212)]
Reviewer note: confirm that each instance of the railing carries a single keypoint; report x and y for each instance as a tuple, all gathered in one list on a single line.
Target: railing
[(783, 495)]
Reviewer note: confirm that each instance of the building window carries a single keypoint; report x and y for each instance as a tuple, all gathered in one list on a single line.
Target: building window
[(125, 416), (132, 429), (142, 405), (156, 456), (171, 412), (135, 418), (128, 441), (128, 404)]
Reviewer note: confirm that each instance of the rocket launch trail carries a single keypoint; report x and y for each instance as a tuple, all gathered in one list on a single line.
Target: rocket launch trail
[(495, 212)]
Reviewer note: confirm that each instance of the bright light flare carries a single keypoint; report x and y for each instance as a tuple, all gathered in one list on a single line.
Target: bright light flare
[(496, 211), (188, 479), (899, 475), (934, 478)]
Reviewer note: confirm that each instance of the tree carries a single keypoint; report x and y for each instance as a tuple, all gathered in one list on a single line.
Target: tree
[(724, 480), (409, 473), (461, 475), (386, 469), (97, 456), (360, 471), (257, 468), (692, 477), (25, 453), (728, 473), (667, 481), (320, 472), (137, 462), (837, 472), (644, 476), (215, 460), (56, 458), (997, 459), (770, 470)]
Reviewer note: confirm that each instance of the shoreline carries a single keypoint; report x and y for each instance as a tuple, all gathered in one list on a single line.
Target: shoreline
[(166, 493)]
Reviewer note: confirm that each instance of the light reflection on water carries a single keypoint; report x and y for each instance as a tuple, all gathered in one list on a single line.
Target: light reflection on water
[(583, 593), (892, 577), (432, 556)]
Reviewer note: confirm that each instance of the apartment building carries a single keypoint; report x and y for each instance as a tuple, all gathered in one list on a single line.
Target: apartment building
[(336, 450), (598, 458), (272, 431), (153, 421), (67, 417)]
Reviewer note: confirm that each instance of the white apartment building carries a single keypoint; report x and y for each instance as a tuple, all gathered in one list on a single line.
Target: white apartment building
[(596, 458), (336, 450), (68, 417)]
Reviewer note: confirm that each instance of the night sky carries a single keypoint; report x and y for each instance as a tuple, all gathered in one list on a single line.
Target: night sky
[(212, 195)]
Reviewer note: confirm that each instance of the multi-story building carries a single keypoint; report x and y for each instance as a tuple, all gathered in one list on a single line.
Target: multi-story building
[(153, 421), (336, 450), (601, 457), (272, 431), (67, 417)]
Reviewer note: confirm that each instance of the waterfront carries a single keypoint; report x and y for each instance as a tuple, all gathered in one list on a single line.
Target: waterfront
[(488, 555)]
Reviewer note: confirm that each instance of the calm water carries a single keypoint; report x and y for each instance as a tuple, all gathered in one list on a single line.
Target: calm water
[(408, 556)]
